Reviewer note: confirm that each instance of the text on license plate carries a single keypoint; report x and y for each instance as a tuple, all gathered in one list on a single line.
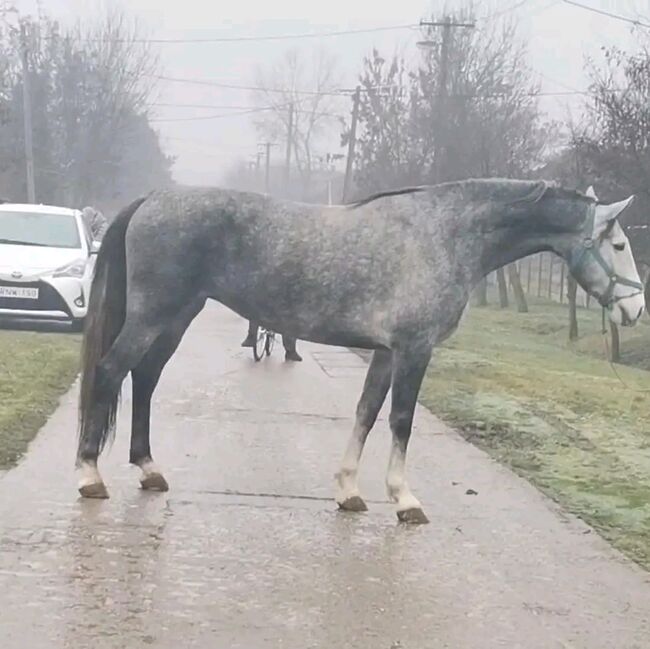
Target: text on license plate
[(19, 293)]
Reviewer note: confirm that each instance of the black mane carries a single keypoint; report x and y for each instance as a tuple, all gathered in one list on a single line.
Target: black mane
[(391, 192), (541, 189)]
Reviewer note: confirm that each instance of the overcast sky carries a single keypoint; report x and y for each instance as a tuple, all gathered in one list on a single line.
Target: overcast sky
[(558, 35)]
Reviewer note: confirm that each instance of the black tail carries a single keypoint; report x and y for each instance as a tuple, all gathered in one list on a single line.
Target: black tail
[(104, 321)]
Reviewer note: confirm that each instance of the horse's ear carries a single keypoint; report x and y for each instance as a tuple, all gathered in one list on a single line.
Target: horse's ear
[(591, 193), (605, 214)]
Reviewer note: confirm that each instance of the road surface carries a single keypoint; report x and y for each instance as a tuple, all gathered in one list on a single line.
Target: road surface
[(247, 550)]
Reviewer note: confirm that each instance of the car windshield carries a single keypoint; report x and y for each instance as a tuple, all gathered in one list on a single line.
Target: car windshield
[(39, 229)]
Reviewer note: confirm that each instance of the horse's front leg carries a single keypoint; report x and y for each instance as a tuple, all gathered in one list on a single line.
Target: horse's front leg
[(409, 367), (372, 398)]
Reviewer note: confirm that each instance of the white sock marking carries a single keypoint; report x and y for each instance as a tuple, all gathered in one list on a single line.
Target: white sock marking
[(149, 467), (347, 478), (396, 485), (89, 474)]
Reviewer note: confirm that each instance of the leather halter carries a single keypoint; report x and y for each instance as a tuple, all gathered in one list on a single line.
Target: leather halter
[(590, 248)]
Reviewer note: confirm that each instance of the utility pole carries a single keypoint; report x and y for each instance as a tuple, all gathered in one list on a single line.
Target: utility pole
[(356, 99), (267, 167), (258, 169), (27, 118), (287, 160), (440, 144)]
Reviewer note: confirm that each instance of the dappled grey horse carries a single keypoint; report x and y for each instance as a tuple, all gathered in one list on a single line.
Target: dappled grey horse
[(392, 273)]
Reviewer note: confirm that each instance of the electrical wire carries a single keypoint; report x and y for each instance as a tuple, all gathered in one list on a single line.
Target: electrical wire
[(609, 14), (247, 39)]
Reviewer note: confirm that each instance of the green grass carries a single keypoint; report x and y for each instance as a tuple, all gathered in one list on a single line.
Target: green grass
[(555, 412), (35, 370)]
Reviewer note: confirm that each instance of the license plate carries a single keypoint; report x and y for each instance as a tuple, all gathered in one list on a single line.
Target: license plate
[(19, 293)]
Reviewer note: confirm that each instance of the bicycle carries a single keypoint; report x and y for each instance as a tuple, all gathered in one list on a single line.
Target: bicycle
[(264, 344)]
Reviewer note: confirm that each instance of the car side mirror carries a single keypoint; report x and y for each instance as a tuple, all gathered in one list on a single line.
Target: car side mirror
[(94, 247)]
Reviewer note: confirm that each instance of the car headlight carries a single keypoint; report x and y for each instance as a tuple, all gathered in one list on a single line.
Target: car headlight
[(76, 269)]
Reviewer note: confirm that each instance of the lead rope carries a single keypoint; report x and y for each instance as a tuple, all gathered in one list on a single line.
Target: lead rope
[(608, 356)]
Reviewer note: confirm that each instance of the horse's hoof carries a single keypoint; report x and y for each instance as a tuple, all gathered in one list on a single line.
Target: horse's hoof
[(293, 357), (95, 490), (353, 504), (414, 516), (154, 482)]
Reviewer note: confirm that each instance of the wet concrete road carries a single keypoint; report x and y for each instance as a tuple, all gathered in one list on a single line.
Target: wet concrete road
[(247, 551)]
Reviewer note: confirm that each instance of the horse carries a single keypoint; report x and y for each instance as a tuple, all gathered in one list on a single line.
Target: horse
[(391, 273)]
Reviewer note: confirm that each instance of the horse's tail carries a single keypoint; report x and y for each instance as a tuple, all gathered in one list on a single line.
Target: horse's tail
[(104, 321)]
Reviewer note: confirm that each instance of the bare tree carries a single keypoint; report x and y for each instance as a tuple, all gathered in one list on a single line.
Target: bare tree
[(90, 85), (566, 166), (490, 125), (389, 153), (117, 85), (299, 94), (612, 151), (503, 288), (517, 289), (480, 294)]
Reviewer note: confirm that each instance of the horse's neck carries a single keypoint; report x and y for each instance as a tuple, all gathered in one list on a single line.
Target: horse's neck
[(498, 239)]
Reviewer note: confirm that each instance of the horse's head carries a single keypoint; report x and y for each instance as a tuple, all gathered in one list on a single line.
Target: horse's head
[(602, 263)]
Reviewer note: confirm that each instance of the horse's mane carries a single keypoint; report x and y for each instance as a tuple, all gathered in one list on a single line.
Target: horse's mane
[(391, 192), (536, 193)]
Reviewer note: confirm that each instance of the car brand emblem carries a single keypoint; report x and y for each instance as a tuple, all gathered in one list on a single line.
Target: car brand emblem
[(16, 274)]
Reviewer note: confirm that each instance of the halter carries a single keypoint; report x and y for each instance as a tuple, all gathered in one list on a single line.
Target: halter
[(590, 248)]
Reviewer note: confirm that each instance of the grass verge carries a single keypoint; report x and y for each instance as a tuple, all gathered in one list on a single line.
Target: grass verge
[(555, 412), (35, 370)]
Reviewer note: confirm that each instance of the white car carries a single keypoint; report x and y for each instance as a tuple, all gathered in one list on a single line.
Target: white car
[(47, 257)]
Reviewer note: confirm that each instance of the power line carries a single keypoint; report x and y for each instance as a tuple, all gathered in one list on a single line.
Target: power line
[(238, 108), (559, 93), (242, 39), (602, 12), (331, 93), (338, 92), (566, 86), (249, 110), (210, 106), (198, 118), (206, 145), (234, 86), (498, 14), (541, 10), (334, 93), (201, 118)]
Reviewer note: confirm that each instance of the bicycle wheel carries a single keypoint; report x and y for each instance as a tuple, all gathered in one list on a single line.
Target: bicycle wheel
[(270, 342), (260, 344)]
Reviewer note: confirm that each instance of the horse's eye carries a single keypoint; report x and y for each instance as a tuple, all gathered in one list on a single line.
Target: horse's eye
[(619, 246)]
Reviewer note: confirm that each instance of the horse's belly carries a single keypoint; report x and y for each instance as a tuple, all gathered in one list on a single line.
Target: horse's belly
[(345, 339), (313, 318)]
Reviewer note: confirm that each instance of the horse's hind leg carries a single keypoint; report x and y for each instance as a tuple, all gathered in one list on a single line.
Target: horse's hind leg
[(145, 379), (372, 398), (409, 367), (135, 338)]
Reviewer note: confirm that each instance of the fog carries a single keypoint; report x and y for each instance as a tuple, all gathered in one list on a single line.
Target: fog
[(559, 37)]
